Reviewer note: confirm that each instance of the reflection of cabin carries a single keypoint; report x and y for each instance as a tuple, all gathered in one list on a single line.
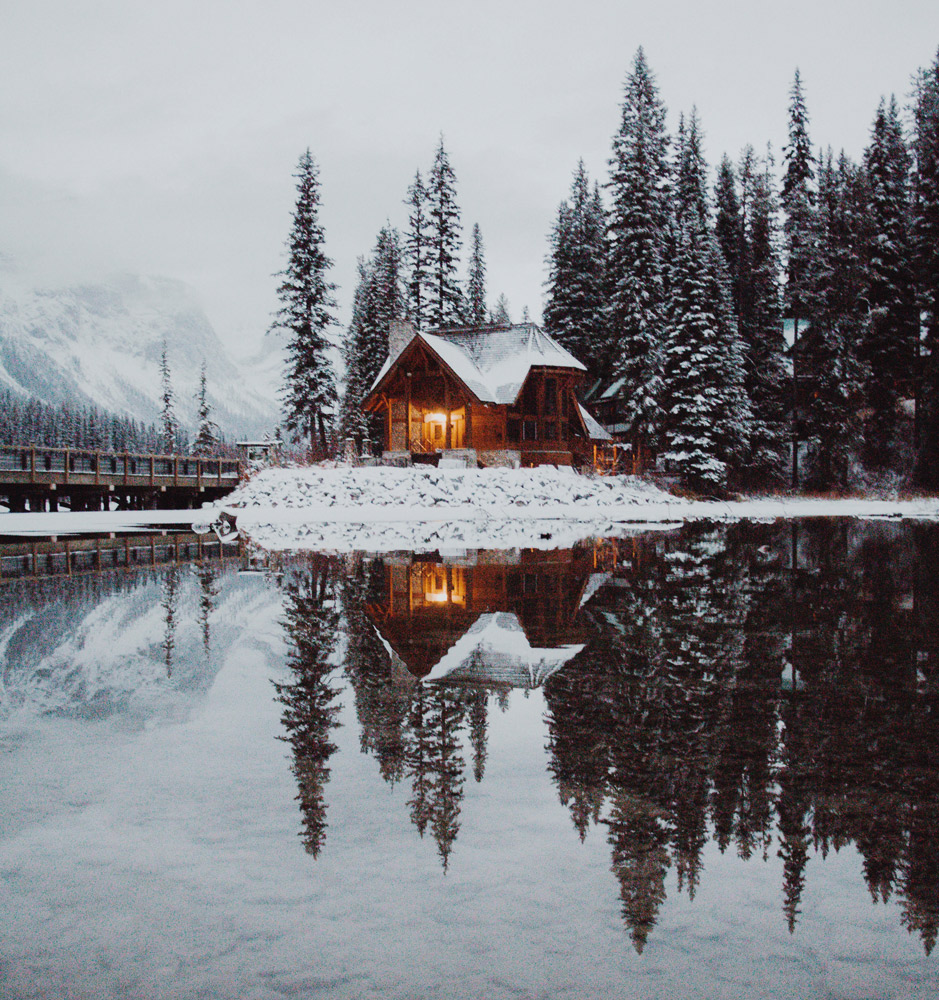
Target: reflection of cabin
[(485, 619), (498, 395)]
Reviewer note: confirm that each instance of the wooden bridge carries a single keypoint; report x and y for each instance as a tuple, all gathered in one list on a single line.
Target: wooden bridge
[(40, 558), (38, 478)]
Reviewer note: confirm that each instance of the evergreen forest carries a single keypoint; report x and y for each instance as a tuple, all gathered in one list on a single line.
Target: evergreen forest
[(771, 325)]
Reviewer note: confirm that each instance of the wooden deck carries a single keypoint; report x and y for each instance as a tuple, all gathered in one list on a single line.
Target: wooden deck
[(40, 478)]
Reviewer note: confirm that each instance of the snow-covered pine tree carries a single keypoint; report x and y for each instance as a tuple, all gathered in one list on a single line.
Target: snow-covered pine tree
[(574, 306), (707, 415), (379, 301), (167, 413), (305, 313), (828, 353), (729, 225), (476, 282), (892, 328), (417, 254), (499, 315), (207, 436), (692, 359), (798, 199), (761, 327), (446, 300), (926, 235), (635, 263)]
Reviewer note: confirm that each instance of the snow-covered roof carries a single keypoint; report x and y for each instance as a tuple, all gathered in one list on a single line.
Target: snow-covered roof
[(496, 649), (613, 389), (493, 362), (595, 430)]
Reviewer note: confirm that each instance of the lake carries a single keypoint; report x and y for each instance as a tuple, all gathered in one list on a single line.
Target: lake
[(692, 763)]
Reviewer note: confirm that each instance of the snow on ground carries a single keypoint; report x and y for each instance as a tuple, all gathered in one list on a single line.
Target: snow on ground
[(381, 509)]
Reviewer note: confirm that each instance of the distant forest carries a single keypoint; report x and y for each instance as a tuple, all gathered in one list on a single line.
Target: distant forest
[(29, 421), (676, 294)]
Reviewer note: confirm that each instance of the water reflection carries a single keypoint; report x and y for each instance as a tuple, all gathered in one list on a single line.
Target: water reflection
[(770, 688), (77, 635)]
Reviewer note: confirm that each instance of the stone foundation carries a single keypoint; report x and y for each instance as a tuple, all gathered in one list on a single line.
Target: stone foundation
[(501, 458)]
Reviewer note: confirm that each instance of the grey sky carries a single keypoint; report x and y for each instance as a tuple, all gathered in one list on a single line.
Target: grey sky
[(162, 137)]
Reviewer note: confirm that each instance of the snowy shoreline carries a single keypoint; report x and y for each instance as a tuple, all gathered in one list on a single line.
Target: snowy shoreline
[(343, 509)]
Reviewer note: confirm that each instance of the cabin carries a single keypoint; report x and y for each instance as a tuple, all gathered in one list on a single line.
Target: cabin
[(488, 396), (486, 616)]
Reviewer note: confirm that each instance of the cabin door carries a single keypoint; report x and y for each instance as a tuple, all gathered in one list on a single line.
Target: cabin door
[(435, 432)]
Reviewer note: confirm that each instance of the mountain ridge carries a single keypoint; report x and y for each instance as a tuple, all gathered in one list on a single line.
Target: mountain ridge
[(99, 343)]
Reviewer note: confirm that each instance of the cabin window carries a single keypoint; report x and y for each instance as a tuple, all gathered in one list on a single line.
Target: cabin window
[(514, 430), (565, 402), (550, 430), (550, 396), (530, 430), (530, 397)]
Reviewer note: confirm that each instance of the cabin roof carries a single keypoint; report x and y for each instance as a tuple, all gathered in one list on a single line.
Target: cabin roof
[(595, 430), (493, 362), (496, 649)]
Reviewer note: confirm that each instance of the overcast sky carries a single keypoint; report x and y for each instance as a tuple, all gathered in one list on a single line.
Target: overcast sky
[(161, 137)]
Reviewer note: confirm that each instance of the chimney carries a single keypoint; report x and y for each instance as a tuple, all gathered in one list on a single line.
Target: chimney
[(400, 335)]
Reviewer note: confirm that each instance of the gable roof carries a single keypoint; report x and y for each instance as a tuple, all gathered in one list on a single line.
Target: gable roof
[(496, 649), (494, 361)]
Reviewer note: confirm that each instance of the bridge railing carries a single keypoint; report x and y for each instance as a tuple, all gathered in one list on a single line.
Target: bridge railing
[(39, 464)]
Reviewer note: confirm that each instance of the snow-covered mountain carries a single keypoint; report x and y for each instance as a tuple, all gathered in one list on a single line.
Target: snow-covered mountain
[(100, 343)]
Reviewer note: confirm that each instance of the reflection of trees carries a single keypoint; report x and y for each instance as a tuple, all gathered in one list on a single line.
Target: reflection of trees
[(208, 591), (382, 693), (168, 602), (446, 759), (309, 713), (681, 716), (770, 687)]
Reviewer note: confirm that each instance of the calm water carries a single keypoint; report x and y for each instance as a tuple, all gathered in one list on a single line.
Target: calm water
[(701, 763)]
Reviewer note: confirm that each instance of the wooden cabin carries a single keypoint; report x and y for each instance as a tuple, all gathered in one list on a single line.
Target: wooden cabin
[(493, 396), (487, 615)]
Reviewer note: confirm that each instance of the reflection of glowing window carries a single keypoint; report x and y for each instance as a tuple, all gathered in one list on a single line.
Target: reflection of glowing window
[(435, 584), (458, 585)]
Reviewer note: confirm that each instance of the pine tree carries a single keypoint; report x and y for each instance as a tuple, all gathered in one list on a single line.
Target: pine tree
[(167, 413), (573, 312), (206, 439), (446, 300), (729, 225), (476, 282), (635, 271), (892, 326), (378, 302), (417, 254), (828, 356), (926, 235), (761, 328), (798, 199), (707, 413), (499, 316), (305, 295)]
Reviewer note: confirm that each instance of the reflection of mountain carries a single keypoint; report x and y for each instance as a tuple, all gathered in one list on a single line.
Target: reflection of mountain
[(509, 619), (131, 639)]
